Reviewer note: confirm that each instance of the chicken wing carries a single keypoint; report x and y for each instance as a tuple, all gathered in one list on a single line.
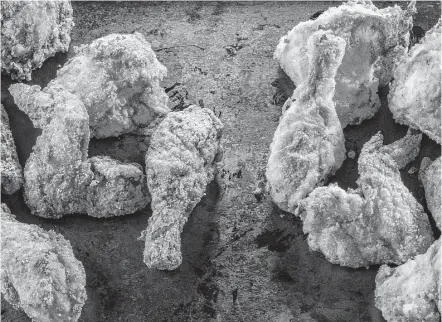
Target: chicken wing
[(60, 179), (39, 272), (415, 93), (33, 31), (412, 291), (375, 39), (308, 144), (380, 222), (116, 77), (430, 175), (180, 162), (11, 171)]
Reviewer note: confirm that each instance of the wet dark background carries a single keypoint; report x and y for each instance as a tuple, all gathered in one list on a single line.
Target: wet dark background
[(243, 258)]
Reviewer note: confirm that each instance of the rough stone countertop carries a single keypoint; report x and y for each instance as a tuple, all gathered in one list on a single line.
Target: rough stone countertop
[(243, 258)]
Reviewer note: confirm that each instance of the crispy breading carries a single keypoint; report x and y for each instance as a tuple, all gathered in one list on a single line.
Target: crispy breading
[(180, 163), (11, 171), (61, 180), (33, 31), (430, 175), (411, 291), (415, 93), (380, 222), (308, 145), (116, 77), (375, 40), (39, 272)]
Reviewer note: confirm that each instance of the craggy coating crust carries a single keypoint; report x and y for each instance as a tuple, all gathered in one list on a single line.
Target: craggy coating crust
[(180, 162), (430, 175), (411, 292), (33, 31), (117, 78), (308, 145), (39, 272), (37, 104), (375, 38), (380, 222), (116, 189), (11, 171), (60, 180), (415, 93)]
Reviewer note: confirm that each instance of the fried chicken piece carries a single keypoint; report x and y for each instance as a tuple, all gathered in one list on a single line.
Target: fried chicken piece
[(117, 78), (308, 145), (11, 171), (39, 272), (375, 39), (180, 162), (33, 31), (60, 179), (380, 222), (415, 93), (412, 291), (430, 175), (116, 189)]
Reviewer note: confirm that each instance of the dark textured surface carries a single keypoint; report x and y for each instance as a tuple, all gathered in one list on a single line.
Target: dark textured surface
[(243, 259)]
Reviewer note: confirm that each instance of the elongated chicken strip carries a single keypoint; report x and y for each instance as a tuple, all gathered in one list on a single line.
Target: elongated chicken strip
[(180, 162), (378, 223), (39, 272), (308, 145), (375, 40), (415, 93)]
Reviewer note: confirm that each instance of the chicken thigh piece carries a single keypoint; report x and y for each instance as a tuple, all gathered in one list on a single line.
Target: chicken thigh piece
[(378, 223), (411, 291), (308, 145), (61, 180), (415, 93), (39, 272), (180, 162), (375, 39), (33, 31), (116, 77), (11, 171), (430, 175)]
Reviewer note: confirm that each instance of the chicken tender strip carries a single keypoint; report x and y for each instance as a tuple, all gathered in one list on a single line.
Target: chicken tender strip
[(375, 40), (33, 31), (415, 93), (11, 171), (116, 77), (180, 162), (430, 175), (380, 222), (39, 272), (412, 291), (308, 145)]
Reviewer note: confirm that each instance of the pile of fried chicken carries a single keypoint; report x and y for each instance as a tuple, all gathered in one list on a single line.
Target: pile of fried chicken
[(109, 88), (112, 87), (337, 62)]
